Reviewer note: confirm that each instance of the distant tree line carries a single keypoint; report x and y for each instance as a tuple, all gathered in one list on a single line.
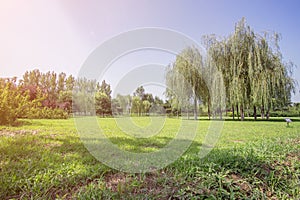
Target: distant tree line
[(242, 74), (55, 96), (36, 95), (248, 65)]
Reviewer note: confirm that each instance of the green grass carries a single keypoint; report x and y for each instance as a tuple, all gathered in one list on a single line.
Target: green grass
[(45, 159)]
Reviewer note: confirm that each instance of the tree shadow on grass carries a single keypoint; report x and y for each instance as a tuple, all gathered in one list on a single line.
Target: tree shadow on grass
[(241, 169), (44, 166), (26, 159), (281, 119)]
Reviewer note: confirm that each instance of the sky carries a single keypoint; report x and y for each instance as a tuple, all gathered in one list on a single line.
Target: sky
[(59, 35)]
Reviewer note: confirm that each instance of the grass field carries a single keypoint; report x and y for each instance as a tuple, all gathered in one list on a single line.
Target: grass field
[(45, 159)]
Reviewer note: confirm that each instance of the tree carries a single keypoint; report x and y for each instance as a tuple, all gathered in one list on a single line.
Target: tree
[(139, 96), (140, 92), (178, 90), (252, 69), (157, 106), (136, 106), (124, 102), (84, 96), (65, 100), (70, 82), (13, 102), (148, 97), (185, 79), (105, 88), (61, 82), (116, 107), (146, 106), (103, 101), (102, 104)]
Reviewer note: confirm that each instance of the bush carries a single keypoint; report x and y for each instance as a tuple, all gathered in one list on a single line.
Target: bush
[(46, 113), (292, 113), (230, 114), (12, 103)]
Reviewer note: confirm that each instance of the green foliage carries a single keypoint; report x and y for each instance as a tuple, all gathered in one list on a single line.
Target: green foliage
[(46, 113), (141, 103), (253, 70), (139, 92), (136, 106), (185, 79), (102, 104), (124, 101), (291, 113), (243, 70), (103, 101), (230, 114), (84, 96), (146, 106), (12, 101)]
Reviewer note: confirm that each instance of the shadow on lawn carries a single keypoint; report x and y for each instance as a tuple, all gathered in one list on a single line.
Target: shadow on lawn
[(281, 119), (242, 164), (240, 160)]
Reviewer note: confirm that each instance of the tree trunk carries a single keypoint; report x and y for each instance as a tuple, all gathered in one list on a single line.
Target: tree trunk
[(208, 110), (237, 111), (268, 114), (242, 113), (255, 114), (263, 112), (233, 113), (187, 113), (195, 109), (248, 112)]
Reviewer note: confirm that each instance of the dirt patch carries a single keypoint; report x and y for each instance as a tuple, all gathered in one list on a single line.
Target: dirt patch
[(239, 181), (116, 181), (139, 184), (123, 184), (51, 145), (238, 141), (296, 141), (293, 156), (10, 133)]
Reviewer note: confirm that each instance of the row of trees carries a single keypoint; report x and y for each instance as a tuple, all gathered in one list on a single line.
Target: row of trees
[(52, 95), (18, 100), (140, 103), (240, 72), (91, 97)]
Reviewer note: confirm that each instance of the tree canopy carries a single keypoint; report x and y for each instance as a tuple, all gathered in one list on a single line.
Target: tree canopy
[(249, 66)]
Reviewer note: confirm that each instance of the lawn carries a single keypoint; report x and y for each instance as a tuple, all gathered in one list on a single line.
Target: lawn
[(45, 159)]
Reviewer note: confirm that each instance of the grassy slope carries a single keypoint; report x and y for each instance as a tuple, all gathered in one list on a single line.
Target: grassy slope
[(46, 159)]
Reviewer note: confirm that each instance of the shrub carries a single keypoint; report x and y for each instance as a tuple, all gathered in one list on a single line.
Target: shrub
[(230, 114), (292, 113), (12, 103), (46, 113)]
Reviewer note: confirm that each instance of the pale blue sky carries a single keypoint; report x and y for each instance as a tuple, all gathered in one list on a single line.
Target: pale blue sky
[(60, 34)]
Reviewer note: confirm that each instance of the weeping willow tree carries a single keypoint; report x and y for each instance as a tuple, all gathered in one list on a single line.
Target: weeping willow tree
[(252, 68), (248, 65), (272, 81), (182, 78), (179, 94), (192, 78)]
